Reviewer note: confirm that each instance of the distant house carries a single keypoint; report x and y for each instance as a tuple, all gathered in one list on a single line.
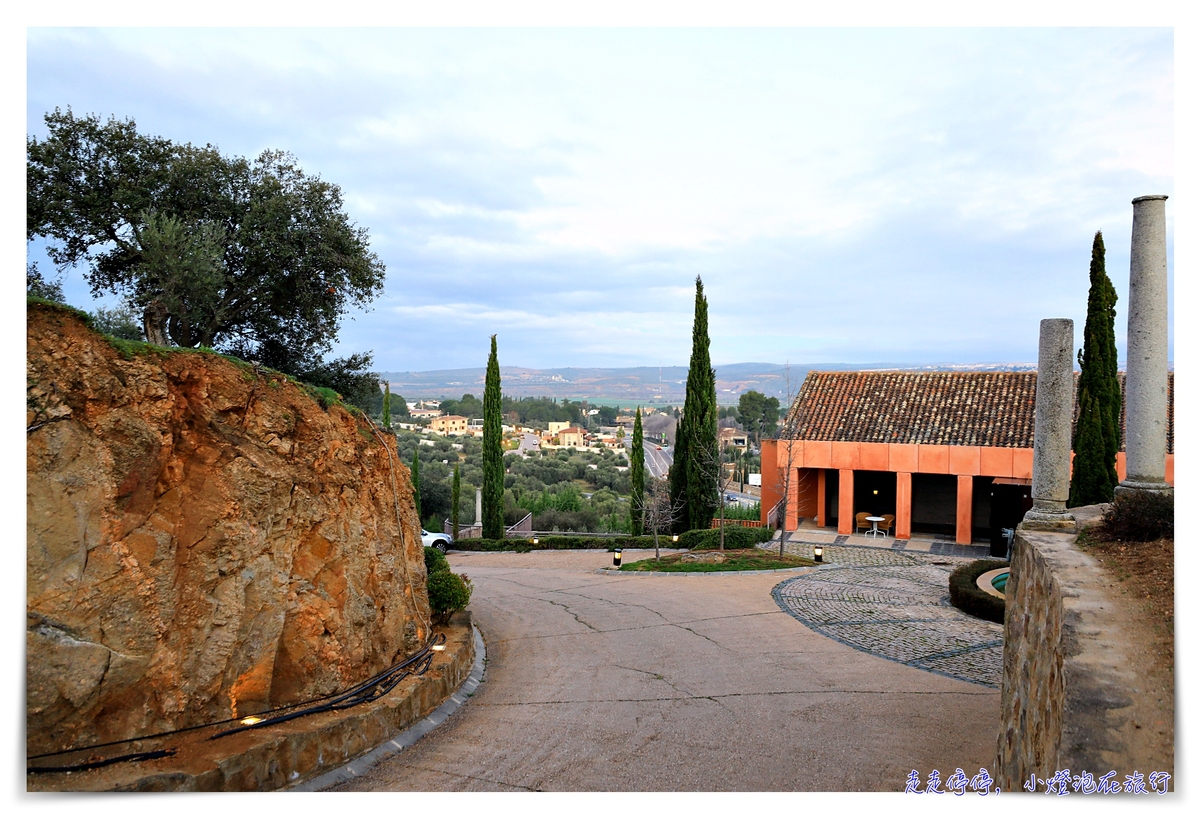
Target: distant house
[(556, 426), (449, 425), (733, 437), (424, 413), (571, 436), (948, 452)]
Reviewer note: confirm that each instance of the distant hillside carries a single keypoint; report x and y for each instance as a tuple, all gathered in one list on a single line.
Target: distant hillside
[(641, 384)]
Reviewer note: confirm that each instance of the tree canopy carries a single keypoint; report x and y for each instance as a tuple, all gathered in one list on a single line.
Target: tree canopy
[(758, 414), (254, 257), (693, 475), (1094, 475), (493, 454)]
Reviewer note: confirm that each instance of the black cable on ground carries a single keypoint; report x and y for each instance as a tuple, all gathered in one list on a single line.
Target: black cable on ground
[(91, 765), (373, 688)]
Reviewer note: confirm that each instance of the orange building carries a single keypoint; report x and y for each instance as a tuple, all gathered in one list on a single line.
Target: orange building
[(945, 452)]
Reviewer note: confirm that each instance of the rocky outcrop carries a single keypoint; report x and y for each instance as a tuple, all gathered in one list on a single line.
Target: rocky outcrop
[(204, 541)]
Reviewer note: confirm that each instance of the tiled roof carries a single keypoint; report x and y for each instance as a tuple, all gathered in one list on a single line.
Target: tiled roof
[(950, 408)]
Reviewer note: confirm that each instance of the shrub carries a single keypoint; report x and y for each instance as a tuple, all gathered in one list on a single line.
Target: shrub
[(558, 543), (1139, 516), (435, 561), (448, 592), (735, 537), (969, 598)]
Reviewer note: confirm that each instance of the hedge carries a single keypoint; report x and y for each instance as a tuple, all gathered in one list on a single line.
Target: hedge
[(559, 543), (735, 537), (969, 597)]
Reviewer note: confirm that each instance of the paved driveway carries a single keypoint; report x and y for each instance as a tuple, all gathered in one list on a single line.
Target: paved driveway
[(600, 682)]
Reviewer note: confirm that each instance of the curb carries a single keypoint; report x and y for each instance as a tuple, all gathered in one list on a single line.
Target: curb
[(364, 763), (618, 572)]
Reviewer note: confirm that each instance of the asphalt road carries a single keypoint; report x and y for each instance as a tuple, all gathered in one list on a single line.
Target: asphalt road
[(658, 460), (679, 683)]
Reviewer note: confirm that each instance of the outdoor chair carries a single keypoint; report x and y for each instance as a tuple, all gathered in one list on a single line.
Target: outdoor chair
[(860, 521), (888, 521)]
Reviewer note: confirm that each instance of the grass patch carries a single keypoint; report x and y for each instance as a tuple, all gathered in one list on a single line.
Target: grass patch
[(744, 559)]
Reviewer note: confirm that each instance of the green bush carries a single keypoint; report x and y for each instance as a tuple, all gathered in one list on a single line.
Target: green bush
[(1139, 516), (435, 561), (448, 592), (735, 537), (968, 597), (559, 543)]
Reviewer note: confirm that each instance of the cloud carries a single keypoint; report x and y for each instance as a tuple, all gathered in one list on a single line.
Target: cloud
[(856, 195)]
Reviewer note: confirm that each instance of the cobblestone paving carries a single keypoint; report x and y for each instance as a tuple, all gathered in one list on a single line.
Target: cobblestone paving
[(896, 605)]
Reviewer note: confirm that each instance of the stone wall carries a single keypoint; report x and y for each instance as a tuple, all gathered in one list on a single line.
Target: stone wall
[(204, 540), (1069, 698)]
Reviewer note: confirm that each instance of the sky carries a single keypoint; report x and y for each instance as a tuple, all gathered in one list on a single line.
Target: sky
[(846, 195)]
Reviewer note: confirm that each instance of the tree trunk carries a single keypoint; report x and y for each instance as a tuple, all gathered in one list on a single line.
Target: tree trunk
[(154, 323)]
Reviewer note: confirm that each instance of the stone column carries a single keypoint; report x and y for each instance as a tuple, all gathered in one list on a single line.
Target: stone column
[(1146, 355), (479, 507), (1053, 407)]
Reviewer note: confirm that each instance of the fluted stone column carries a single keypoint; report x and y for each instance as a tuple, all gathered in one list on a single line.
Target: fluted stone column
[(1146, 356), (479, 507), (1053, 407)]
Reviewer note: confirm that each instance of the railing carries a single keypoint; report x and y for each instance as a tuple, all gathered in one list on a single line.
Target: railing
[(773, 514), (465, 532), (521, 528), (716, 523)]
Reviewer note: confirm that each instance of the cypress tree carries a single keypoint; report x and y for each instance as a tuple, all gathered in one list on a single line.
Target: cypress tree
[(1089, 478), (387, 406), (694, 471), (637, 478), (1098, 379), (493, 455), (416, 480), (455, 497)]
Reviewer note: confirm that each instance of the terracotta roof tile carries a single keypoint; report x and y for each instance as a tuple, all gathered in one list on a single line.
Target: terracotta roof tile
[(949, 408)]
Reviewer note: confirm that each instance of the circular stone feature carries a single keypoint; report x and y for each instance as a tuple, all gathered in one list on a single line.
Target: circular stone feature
[(899, 611)]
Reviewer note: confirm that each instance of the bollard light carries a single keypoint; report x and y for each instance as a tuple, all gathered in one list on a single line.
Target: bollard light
[(674, 538), (818, 553), (535, 540), (617, 557)]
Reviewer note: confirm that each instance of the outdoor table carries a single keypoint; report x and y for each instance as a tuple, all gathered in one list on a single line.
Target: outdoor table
[(874, 521)]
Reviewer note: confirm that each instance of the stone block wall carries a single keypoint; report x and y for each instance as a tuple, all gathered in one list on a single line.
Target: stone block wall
[(1068, 695)]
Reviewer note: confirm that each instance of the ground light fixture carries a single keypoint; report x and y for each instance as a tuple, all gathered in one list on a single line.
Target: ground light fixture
[(818, 554), (617, 557), (535, 540), (674, 538), (251, 720)]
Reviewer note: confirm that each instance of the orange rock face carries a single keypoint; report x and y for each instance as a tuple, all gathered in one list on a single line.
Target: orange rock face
[(204, 540)]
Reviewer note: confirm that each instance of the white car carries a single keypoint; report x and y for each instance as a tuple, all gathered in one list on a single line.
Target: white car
[(440, 541)]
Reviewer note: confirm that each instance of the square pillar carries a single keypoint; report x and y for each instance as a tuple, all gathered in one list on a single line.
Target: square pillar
[(793, 514), (965, 498), (903, 505), (821, 498), (845, 501)]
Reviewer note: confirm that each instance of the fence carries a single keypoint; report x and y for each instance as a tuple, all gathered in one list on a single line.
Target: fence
[(520, 529), (716, 523)]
